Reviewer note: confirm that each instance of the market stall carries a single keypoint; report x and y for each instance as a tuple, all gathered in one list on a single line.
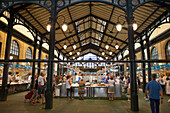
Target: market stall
[(91, 90)]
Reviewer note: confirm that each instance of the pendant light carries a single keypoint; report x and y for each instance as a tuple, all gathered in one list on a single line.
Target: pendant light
[(74, 46), (48, 27), (110, 53), (107, 47), (119, 26), (78, 53), (117, 46), (65, 46), (135, 26), (64, 27), (103, 53)]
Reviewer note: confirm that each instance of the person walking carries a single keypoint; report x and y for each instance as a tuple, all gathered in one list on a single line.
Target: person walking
[(162, 82), (155, 90), (68, 87), (111, 88), (9, 79), (81, 89), (41, 88)]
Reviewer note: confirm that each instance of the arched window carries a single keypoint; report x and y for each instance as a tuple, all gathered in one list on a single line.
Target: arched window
[(167, 50), (14, 48), (154, 53), (28, 53)]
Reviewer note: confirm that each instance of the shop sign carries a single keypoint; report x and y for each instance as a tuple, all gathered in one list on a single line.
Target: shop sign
[(18, 66), (160, 66)]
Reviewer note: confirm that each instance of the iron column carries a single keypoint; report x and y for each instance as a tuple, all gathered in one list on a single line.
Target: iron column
[(133, 83), (33, 65), (143, 64), (39, 56), (49, 94), (4, 89), (148, 55)]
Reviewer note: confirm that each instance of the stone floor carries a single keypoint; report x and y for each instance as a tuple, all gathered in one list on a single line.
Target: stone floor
[(15, 104)]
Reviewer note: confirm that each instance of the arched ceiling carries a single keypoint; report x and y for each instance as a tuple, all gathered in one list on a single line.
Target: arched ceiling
[(91, 26)]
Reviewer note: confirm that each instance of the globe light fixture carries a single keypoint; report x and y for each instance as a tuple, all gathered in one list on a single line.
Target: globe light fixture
[(107, 47), (74, 47), (73, 57), (135, 26), (11, 57), (106, 58), (110, 53), (48, 27), (65, 46), (70, 53), (64, 27), (119, 26), (103, 53), (78, 53), (117, 46)]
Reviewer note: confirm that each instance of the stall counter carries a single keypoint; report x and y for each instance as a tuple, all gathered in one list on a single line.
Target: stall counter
[(92, 90)]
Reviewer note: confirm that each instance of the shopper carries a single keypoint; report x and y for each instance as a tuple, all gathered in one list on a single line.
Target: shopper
[(79, 77), (54, 83), (36, 88), (168, 85), (128, 82), (41, 88), (17, 78), (64, 79), (9, 79), (29, 80), (162, 82), (33, 93), (125, 84), (74, 79), (121, 77), (81, 89), (155, 90), (68, 87), (111, 87), (107, 78)]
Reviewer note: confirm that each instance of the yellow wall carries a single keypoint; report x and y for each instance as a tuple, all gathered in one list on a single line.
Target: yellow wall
[(22, 48), (161, 52)]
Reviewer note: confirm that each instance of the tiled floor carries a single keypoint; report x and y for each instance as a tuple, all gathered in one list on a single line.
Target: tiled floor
[(15, 104)]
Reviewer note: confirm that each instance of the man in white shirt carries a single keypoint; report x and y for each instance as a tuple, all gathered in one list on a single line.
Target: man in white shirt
[(77, 77), (9, 79), (29, 77), (41, 88)]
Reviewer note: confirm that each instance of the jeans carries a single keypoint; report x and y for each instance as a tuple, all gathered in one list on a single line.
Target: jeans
[(69, 91), (154, 102)]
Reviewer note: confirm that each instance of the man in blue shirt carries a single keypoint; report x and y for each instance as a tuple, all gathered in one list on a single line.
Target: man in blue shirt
[(107, 78), (155, 90)]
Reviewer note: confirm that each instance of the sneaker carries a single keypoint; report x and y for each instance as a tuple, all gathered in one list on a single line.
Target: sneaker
[(43, 103), (24, 100), (32, 103)]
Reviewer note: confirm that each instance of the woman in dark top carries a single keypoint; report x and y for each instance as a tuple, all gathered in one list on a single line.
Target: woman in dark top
[(35, 91)]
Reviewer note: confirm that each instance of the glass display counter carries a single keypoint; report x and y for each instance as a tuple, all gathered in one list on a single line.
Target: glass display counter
[(91, 90)]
